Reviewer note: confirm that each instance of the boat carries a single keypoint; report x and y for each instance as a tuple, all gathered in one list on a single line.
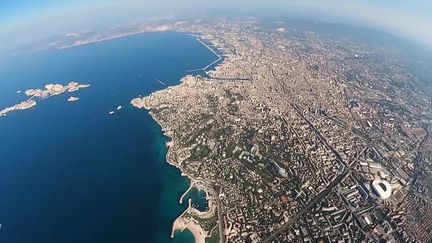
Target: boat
[(160, 82)]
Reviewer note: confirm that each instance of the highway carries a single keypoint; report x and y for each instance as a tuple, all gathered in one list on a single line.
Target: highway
[(219, 209), (220, 218), (219, 212)]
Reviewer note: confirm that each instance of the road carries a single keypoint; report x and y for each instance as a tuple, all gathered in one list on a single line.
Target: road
[(219, 209), (220, 219), (321, 137), (308, 207), (324, 193)]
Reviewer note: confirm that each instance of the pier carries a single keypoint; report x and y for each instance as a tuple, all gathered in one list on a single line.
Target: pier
[(174, 225), (209, 48), (186, 192)]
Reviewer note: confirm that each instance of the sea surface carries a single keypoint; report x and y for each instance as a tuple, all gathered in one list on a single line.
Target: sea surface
[(69, 172), (199, 199)]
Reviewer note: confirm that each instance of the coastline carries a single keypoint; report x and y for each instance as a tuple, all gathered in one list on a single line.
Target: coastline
[(183, 222), (142, 142), (219, 56), (100, 38), (207, 121)]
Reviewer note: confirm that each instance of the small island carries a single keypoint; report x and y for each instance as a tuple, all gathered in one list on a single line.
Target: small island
[(42, 94), (73, 99)]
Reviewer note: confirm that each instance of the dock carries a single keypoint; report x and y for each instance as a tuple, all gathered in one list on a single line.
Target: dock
[(212, 63), (186, 192)]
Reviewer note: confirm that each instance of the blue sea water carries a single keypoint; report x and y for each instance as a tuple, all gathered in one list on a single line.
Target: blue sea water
[(199, 199), (69, 172)]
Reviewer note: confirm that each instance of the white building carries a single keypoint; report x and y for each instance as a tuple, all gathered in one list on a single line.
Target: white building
[(381, 188)]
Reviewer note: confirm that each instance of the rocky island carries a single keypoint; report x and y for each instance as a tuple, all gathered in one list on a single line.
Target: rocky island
[(72, 99), (42, 94)]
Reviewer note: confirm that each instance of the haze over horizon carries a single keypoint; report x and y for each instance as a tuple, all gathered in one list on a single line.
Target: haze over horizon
[(24, 23), (204, 121)]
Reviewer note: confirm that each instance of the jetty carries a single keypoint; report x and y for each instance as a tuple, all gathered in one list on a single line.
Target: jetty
[(209, 48), (186, 192)]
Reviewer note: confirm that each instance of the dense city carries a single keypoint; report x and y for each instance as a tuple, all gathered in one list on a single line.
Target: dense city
[(303, 137)]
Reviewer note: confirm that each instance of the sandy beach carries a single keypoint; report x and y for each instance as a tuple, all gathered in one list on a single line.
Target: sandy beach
[(184, 223)]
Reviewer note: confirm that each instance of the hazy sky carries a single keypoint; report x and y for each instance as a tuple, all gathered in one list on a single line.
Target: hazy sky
[(23, 22)]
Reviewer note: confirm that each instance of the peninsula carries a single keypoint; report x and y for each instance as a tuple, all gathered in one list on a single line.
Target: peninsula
[(301, 137)]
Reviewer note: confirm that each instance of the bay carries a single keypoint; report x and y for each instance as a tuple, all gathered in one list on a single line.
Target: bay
[(69, 172)]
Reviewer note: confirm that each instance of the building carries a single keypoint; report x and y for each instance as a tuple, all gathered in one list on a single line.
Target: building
[(381, 188)]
